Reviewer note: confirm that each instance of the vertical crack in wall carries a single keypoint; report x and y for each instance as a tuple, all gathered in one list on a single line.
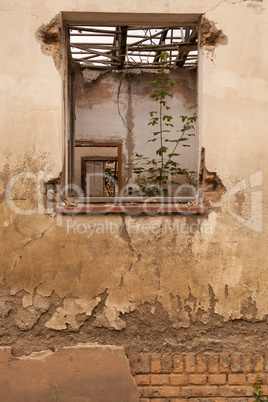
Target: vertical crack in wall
[(123, 233), (130, 125), (25, 245)]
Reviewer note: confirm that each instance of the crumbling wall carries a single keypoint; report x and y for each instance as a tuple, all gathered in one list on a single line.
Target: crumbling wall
[(148, 283)]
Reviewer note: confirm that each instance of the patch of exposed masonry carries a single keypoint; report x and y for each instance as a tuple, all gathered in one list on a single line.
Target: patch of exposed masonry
[(25, 317), (49, 36), (211, 36)]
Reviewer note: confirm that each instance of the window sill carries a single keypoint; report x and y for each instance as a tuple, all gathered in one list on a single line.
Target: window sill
[(148, 209)]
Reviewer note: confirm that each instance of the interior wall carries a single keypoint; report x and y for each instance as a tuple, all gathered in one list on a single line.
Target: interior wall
[(124, 99)]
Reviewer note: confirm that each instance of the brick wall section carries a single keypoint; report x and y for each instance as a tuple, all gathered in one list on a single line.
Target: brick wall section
[(198, 378)]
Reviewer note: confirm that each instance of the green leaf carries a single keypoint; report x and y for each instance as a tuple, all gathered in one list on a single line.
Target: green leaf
[(161, 150)]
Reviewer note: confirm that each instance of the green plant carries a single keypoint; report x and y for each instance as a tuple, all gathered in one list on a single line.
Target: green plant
[(156, 176), (258, 390), (57, 396)]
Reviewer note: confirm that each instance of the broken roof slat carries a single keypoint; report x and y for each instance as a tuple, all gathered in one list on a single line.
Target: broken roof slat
[(124, 50)]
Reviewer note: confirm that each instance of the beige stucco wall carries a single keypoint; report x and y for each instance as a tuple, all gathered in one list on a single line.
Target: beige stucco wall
[(174, 278)]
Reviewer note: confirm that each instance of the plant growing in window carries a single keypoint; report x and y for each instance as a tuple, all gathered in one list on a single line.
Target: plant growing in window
[(155, 176)]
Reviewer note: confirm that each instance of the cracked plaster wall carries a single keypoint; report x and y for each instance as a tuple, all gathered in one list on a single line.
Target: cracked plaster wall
[(142, 288)]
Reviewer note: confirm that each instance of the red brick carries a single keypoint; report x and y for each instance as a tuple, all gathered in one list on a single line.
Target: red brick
[(217, 379), (224, 363), (237, 379), (235, 390), (160, 379), (236, 363), (144, 363), (264, 390), (164, 400), (156, 364), (178, 364), (246, 363), (199, 391), (134, 364), (159, 392), (166, 364), (252, 378), (179, 379), (142, 379), (197, 379), (178, 400), (213, 366), (241, 399), (207, 400), (190, 364), (257, 363), (266, 363), (201, 363)]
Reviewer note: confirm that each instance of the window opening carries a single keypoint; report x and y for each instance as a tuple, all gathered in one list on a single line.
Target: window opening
[(111, 48), (99, 176)]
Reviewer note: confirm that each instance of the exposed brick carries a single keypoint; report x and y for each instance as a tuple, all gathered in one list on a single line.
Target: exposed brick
[(240, 399), (201, 363), (217, 379), (266, 363), (235, 390), (264, 389), (237, 379), (166, 364), (144, 363), (160, 379), (156, 364), (236, 363), (213, 366), (159, 392), (190, 364), (145, 400), (207, 399), (179, 379), (225, 362), (142, 379), (134, 364), (162, 400), (178, 364), (199, 391), (257, 363), (178, 400), (252, 378), (197, 379), (246, 363)]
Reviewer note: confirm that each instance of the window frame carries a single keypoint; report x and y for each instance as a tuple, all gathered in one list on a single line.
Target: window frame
[(113, 19)]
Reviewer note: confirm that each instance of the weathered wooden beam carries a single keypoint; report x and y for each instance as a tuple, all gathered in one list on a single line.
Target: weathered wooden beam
[(122, 45), (183, 53), (89, 29), (161, 42)]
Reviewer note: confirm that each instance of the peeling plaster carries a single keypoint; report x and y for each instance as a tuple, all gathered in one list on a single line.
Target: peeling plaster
[(211, 36), (49, 36), (66, 315)]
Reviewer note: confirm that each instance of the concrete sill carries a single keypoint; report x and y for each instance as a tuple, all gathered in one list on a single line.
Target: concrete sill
[(148, 209)]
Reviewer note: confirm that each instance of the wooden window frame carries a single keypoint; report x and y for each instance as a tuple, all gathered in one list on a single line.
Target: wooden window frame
[(93, 144)]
